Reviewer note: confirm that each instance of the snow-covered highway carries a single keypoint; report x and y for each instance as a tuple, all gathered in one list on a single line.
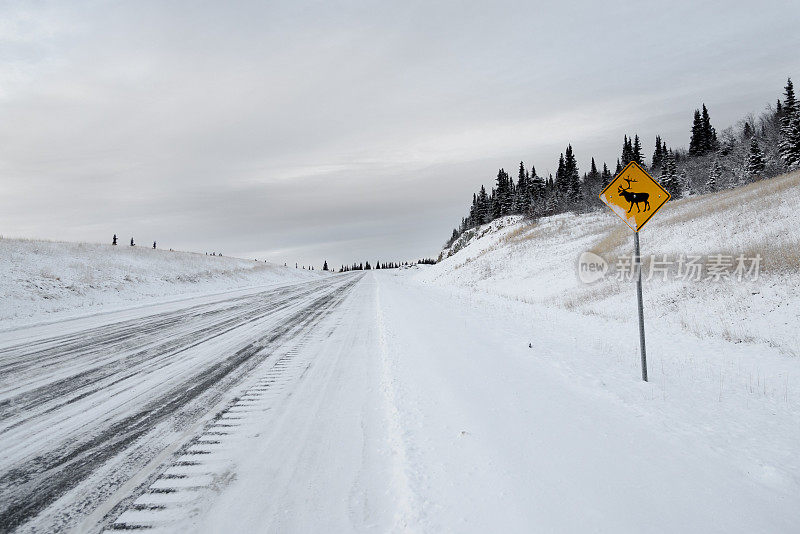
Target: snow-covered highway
[(86, 404), (372, 403)]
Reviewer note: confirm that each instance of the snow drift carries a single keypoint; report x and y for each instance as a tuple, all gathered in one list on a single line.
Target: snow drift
[(45, 279), (722, 354)]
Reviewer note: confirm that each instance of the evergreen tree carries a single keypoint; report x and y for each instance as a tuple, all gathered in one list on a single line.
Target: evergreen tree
[(710, 143), (627, 151), (594, 175), (696, 143), (714, 178), (636, 151), (619, 168), (537, 187), (658, 156), (325, 266), (561, 181), (789, 145), (552, 202), (755, 163), (669, 176), (606, 176), (671, 164), (504, 202), (453, 237), (473, 211), (665, 179), (522, 193), (789, 101), (572, 176), (685, 184), (483, 210)]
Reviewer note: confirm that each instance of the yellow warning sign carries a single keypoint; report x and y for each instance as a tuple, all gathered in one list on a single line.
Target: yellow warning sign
[(634, 195)]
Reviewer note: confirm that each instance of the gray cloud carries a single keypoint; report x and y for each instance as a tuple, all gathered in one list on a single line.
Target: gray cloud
[(303, 131)]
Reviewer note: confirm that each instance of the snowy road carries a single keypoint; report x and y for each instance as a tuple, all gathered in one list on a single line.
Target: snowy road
[(86, 404), (368, 403)]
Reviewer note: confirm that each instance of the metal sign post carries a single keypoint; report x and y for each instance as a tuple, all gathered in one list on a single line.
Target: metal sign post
[(635, 197), (641, 305)]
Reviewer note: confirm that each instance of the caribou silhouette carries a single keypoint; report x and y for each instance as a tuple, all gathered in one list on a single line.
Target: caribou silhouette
[(634, 198)]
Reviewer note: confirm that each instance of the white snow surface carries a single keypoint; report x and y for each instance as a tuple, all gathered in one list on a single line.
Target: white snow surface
[(425, 411), (46, 280), (492, 392)]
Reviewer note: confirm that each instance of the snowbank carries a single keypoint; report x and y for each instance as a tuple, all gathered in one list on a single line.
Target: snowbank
[(40, 280), (723, 367), (538, 263)]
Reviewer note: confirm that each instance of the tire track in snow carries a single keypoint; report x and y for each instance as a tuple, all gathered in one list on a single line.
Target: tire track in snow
[(31, 486), (407, 515)]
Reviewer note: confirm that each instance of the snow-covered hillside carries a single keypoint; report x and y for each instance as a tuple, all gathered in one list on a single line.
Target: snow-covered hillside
[(40, 280), (538, 263), (722, 354)]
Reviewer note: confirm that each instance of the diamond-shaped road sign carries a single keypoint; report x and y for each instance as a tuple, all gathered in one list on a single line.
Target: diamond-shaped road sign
[(634, 195)]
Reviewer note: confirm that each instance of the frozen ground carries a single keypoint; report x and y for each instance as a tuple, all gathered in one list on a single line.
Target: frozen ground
[(419, 409), (45, 280), (492, 392)]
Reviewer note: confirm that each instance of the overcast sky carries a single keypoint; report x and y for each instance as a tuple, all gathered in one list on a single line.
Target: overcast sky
[(303, 131)]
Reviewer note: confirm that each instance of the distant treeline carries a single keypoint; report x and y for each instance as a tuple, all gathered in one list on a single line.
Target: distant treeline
[(750, 150), (366, 266)]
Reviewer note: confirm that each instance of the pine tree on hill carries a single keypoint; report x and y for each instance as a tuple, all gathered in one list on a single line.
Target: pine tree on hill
[(552, 202), (473, 211), (483, 208), (665, 180), (755, 163), (605, 177), (453, 237), (710, 143), (671, 164), (497, 210), (669, 176), (538, 189), (714, 178), (522, 191), (789, 145), (636, 151), (507, 198), (627, 151), (572, 176), (789, 101), (658, 156), (561, 181), (696, 142), (619, 168), (685, 185), (325, 266), (672, 168), (594, 174)]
